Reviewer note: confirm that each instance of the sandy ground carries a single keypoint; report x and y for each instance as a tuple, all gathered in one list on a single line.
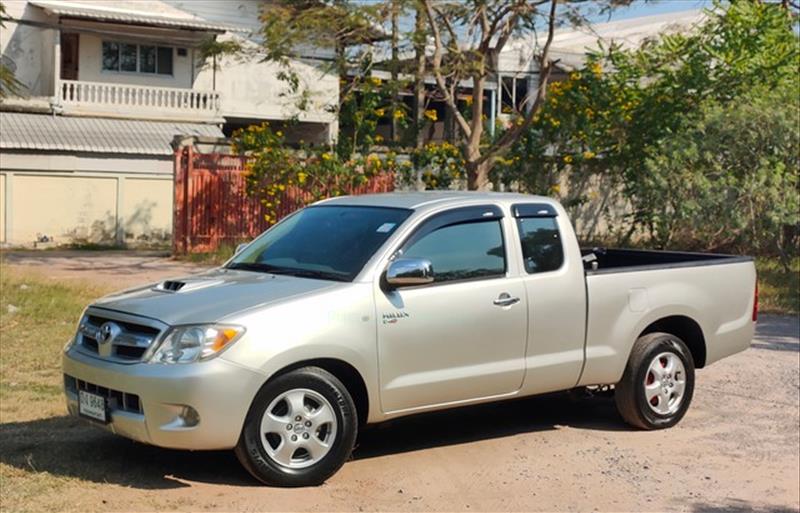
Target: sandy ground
[(115, 269), (738, 448)]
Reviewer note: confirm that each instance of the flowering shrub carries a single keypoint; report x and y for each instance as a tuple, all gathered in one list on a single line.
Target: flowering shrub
[(697, 131), (365, 102), (313, 174), (436, 165)]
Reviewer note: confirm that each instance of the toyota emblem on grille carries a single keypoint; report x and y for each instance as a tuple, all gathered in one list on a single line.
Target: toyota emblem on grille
[(107, 332)]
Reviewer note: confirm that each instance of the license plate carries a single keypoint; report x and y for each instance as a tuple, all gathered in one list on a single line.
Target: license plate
[(92, 406)]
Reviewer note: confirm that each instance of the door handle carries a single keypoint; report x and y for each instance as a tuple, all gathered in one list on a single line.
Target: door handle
[(505, 299)]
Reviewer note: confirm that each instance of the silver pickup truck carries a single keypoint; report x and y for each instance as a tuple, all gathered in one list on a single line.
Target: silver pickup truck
[(360, 309)]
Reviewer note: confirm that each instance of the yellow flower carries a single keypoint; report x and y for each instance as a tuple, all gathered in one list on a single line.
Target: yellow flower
[(568, 159), (376, 81), (399, 114), (555, 189), (378, 138), (301, 177), (279, 133), (597, 68), (588, 154), (326, 156), (431, 114), (380, 112)]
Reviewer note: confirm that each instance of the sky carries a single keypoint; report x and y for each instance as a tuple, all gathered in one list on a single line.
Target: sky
[(651, 8)]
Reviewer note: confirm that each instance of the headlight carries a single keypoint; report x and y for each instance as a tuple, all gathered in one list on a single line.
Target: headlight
[(71, 341), (69, 344), (187, 344)]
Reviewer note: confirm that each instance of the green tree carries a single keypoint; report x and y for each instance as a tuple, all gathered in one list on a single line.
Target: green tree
[(622, 111), (730, 181)]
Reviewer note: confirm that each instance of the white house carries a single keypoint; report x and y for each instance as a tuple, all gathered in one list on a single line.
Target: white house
[(518, 70), (85, 150)]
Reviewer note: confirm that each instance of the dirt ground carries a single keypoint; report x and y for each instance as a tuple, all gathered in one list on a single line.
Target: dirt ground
[(738, 448), (120, 269)]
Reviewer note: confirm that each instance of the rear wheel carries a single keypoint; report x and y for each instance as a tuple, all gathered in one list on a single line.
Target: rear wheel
[(300, 429), (658, 383)]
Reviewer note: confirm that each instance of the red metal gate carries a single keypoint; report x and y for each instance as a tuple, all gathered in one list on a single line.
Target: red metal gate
[(212, 206)]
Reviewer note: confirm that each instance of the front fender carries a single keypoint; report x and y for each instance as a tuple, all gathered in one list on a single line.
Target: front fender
[(338, 324)]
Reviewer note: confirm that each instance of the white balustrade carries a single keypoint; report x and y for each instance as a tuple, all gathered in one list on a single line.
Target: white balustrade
[(136, 99)]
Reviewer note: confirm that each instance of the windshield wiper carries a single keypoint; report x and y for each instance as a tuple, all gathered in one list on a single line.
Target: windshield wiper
[(254, 266), (311, 273), (288, 271)]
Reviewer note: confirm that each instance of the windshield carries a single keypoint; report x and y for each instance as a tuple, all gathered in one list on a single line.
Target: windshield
[(324, 242)]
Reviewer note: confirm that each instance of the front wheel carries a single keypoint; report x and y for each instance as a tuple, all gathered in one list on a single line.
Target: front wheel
[(300, 429), (658, 383)]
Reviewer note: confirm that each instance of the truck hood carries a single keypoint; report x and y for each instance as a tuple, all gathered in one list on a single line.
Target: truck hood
[(210, 296)]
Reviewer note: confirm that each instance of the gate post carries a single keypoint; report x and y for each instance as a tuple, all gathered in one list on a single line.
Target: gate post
[(187, 200)]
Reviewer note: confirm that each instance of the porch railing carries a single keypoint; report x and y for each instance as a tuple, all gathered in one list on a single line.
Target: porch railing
[(125, 98)]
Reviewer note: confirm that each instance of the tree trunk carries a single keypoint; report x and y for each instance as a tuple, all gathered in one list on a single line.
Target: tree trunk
[(478, 174), (395, 63), (418, 115)]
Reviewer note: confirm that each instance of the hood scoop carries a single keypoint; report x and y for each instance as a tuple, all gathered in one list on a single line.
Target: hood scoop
[(185, 286)]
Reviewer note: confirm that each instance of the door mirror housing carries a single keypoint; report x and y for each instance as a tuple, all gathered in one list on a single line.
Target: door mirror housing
[(408, 272)]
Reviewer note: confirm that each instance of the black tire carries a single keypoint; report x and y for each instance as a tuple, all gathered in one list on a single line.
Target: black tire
[(630, 394), (252, 454)]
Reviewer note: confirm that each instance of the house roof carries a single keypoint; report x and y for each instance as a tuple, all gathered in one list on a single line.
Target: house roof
[(45, 132), (570, 44), (149, 12)]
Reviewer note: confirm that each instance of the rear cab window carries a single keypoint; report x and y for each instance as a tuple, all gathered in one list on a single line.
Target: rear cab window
[(540, 239)]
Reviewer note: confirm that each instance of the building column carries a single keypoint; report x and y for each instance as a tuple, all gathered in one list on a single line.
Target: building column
[(492, 111), (499, 94), (57, 68)]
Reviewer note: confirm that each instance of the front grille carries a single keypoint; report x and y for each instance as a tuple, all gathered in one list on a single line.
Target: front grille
[(117, 399), (126, 338)]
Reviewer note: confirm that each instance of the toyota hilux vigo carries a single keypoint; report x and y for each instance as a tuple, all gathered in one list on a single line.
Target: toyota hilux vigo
[(356, 310)]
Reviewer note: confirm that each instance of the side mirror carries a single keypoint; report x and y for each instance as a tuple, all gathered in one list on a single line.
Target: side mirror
[(240, 247), (406, 272)]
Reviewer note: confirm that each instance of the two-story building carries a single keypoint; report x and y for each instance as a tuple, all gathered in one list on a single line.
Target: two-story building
[(85, 149)]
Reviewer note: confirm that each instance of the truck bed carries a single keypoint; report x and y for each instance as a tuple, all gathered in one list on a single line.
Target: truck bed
[(606, 261)]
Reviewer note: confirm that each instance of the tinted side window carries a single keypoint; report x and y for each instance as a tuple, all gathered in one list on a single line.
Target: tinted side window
[(541, 244), (463, 251)]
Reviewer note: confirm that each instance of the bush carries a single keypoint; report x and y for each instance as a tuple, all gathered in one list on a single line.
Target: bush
[(729, 182), (698, 132)]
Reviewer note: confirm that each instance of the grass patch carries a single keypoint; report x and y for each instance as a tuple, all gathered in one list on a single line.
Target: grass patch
[(778, 291), (37, 317)]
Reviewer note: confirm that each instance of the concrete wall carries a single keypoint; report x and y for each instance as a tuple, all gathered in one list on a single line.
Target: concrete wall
[(28, 50), (251, 89), (41, 197)]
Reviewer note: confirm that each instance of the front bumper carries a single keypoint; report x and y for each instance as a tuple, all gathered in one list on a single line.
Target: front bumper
[(156, 397)]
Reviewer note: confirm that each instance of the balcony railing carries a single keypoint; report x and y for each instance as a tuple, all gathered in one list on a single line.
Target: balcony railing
[(136, 101)]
